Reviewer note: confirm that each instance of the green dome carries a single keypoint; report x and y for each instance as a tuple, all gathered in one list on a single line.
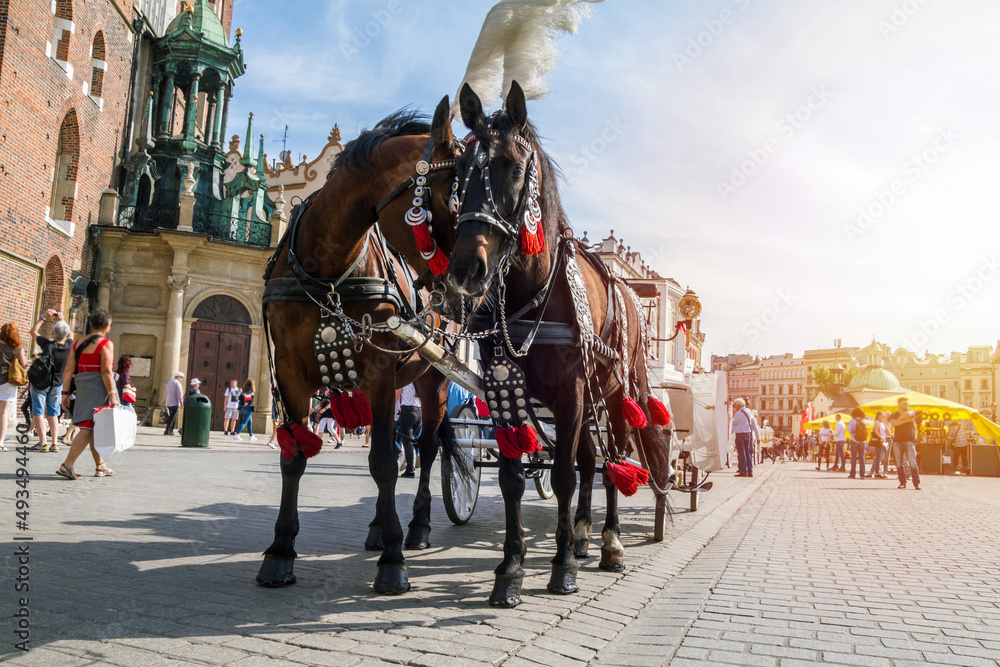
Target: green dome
[(875, 378), (204, 21)]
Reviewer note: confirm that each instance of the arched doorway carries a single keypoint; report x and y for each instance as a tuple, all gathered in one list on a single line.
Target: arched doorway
[(219, 350)]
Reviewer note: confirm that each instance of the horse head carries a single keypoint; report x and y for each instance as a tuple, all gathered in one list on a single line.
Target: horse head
[(498, 180)]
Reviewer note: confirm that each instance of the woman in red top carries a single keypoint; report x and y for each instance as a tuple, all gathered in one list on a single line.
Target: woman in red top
[(95, 387)]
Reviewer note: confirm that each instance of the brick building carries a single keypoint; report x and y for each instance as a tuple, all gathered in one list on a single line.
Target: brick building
[(65, 73)]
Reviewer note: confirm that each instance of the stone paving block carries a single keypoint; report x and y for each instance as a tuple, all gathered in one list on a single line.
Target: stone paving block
[(261, 646), (310, 656), (264, 661), (854, 659), (730, 658), (213, 655)]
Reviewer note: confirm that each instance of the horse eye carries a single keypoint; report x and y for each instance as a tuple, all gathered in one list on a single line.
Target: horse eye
[(518, 171)]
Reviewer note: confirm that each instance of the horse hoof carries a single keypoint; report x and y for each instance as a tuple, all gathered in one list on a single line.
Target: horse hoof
[(612, 562), (276, 572), (418, 537), (507, 590), (391, 579), (581, 549), (563, 580), (374, 540)]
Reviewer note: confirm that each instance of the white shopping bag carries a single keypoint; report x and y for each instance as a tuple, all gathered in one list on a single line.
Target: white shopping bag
[(114, 429)]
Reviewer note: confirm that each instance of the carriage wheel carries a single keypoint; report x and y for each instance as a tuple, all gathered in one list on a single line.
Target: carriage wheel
[(461, 491), (543, 483)]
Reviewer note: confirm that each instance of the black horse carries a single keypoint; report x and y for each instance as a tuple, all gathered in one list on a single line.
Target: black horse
[(510, 203)]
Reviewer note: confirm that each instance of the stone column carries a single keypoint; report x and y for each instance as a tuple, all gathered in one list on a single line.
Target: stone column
[(217, 122), (178, 281), (278, 219), (105, 280), (166, 103), (225, 116), (191, 107)]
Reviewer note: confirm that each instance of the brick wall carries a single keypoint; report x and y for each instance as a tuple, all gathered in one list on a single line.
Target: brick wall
[(39, 104)]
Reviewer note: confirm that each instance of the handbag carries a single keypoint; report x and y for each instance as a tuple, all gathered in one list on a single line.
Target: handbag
[(114, 429), (16, 374), (128, 394)]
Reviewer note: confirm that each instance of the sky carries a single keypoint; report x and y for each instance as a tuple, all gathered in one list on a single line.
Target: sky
[(812, 170)]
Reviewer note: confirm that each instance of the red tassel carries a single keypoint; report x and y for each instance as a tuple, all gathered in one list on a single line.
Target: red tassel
[(658, 412), (425, 242), (482, 410), (362, 409), (296, 437), (532, 244), (508, 441), (623, 476), (438, 263), (641, 474), (527, 439), (337, 407), (633, 413)]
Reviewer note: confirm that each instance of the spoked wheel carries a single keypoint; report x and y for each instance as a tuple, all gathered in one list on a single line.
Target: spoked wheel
[(460, 489), (543, 483)]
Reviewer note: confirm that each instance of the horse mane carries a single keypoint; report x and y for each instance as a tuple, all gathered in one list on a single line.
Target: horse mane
[(400, 123)]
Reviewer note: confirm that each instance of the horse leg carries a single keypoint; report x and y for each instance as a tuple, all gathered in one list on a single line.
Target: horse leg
[(586, 460), (612, 551), (568, 417), (510, 573), (391, 577), (279, 558), (374, 540), (432, 389)]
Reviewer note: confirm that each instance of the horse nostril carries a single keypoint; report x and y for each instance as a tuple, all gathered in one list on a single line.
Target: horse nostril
[(478, 275)]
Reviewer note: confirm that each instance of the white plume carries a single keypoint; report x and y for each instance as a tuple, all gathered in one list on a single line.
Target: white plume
[(517, 42)]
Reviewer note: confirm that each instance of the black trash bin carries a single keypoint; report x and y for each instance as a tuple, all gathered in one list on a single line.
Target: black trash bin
[(197, 421)]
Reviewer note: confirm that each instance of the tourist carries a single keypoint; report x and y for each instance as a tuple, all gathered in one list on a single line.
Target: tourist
[(45, 401), (744, 425), (879, 443), (231, 416), (839, 439), (246, 411), (904, 423), (123, 378), (858, 431), (407, 424), (172, 399), (91, 373), (10, 351), (275, 425), (327, 424), (962, 440), (825, 434), (195, 387)]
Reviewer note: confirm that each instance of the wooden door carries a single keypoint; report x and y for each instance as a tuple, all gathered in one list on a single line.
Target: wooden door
[(218, 353)]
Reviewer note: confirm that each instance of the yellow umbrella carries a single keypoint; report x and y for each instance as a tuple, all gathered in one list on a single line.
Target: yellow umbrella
[(937, 408), (817, 423)]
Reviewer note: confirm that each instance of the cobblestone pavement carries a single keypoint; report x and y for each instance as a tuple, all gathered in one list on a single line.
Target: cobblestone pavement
[(156, 566)]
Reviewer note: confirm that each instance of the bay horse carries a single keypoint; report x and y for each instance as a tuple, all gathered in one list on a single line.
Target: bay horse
[(333, 254), (595, 352)]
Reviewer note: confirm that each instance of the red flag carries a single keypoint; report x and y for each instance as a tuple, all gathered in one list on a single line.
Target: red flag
[(807, 416)]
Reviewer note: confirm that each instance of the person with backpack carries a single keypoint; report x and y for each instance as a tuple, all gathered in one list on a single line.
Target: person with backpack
[(246, 411), (45, 378), (11, 353), (858, 430)]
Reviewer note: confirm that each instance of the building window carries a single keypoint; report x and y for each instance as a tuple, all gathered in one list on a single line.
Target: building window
[(984, 383), (968, 383), (968, 400), (62, 32), (763, 390), (927, 389), (64, 172), (942, 391), (984, 401), (781, 389), (98, 66), (781, 404), (800, 390)]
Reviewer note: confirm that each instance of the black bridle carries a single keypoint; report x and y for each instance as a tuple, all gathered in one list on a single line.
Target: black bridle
[(482, 157)]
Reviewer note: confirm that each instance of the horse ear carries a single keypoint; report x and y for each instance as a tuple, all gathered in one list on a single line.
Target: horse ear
[(471, 106), (444, 138), (517, 107)]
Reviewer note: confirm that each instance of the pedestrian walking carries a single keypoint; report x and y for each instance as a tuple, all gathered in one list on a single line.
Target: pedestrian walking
[(231, 416), (825, 436), (858, 430), (11, 353), (46, 388), (172, 398), (90, 373), (963, 438), (879, 443), (195, 387), (904, 423), (327, 423), (839, 441), (407, 424), (246, 411), (123, 379), (275, 424), (744, 425)]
